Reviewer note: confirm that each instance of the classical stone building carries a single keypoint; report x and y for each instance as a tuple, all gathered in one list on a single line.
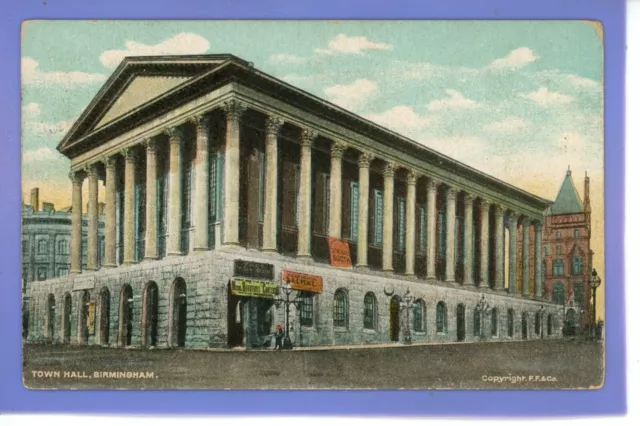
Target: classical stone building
[(224, 183)]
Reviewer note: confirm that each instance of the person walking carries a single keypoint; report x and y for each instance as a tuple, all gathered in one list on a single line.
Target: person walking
[(279, 335)]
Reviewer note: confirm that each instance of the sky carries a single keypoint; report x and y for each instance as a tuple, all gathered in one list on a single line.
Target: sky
[(519, 100)]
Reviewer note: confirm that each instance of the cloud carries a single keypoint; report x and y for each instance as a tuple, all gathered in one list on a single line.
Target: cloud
[(180, 44), (461, 148), (354, 95), (31, 75), (285, 58), (516, 59), (508, 125), (40, 155), (402, 119), (31, 110), (546, 98), (44, 128), (345, 45), (583, 82), (455, 101)]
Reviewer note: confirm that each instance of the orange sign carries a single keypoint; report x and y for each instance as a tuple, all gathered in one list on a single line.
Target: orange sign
[(303, 282), (339, 254)]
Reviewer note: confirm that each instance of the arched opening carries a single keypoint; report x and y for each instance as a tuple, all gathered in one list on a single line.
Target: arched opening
[(235, 327), (460, 323), (370, 311), (571, 322), (476, 322), (510, 321), (549, 325), (105, 314), (125, 325), (394, 319), (83, 317), (441, 318), (538, 324), (25, 319), (150, 315), (66, 319), (525, 330), (494, 322), (179, 313), (51, 316), (418, 316)]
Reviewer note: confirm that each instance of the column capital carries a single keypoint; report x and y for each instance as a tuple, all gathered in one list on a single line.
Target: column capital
[(526, 221), (91, 170), (233, 109), (468, 198), (484, 204), (273, 124), (307, 137), (337, 149), (451, 193), (201, 121), (77, 176), (512, 219), (151, 145), (128, 154), (412, 177), (537, 225), (499, 208), (110, 162), (364, 160), (432, 184), (390, 169), (174, 134)]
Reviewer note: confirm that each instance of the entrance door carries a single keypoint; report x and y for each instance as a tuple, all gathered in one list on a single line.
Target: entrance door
[(571, 322), (394, 319), (525, 328), (235, 327), (151, 315), (460, 323), (84, 318), (180, 313), (67, 318), (105, 313), (51, 317), (126, 313)]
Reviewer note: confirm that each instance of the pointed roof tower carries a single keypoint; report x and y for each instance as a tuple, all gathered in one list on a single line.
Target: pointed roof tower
[(567, 201)]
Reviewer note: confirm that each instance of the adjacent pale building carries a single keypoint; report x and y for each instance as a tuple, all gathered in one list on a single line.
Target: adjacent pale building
[(222, 183)]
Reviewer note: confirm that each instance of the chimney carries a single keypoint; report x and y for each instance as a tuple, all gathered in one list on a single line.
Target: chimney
[(35, 199), (569, 171), (587, 201), (48, 207)]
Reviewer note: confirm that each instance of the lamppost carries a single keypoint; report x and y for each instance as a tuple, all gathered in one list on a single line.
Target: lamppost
[(286, 289), (483, 309), (595, 283), (406, 304), (541, 314)]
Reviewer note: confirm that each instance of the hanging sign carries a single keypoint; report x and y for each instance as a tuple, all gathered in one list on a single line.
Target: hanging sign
[(253, 288), (303, 282), (91, 318), (339, 254)]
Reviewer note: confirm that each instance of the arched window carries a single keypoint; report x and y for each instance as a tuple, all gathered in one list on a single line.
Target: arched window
[(370, 311), (558, 293), (418, 315), (306, 308), (441, 317), (340, 309), (510, 316), (549, 325), (63, 247), (494, 322), (538, 326), (476, 322)]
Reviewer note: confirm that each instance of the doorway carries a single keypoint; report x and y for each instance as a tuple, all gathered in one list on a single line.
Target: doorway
[(84, 318), (105, 313), (394, 319), (179, 323), (51, 317), (460, 323), (525, 334), (126, 314), (150, 319), (66, 318)]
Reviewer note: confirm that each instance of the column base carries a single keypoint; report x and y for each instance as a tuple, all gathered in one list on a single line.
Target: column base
[(75, 271), (304, 256), (483, 285), (129, 262), (269, 250), (409, 274), (450, 281), (468, 284), (430, 277), (388, 271), (109, 265), (201, 249), (150, 258), (363, 267), (174, 253)]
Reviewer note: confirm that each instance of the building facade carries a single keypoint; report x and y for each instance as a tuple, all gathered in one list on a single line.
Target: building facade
[(223, 183)]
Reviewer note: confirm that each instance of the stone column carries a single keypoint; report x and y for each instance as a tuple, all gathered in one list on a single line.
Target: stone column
[(410, 239), (525, 256), (233, 110), (387, 219), (129, 205), (484, 244), (201, 208), (512, 221), (110, 213), (151, 218), (76, 222), (335, 204), (174, 217), (450, 274), (432, 191), (499, 252), (537, 262), (270, 221), (364, 163), (92, 213), (468, 240), (304, 196)]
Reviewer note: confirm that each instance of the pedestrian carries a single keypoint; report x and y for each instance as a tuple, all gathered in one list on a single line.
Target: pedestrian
[(279, 334)]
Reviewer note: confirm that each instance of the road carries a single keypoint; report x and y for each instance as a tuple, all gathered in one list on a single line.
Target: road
[(492, 365)]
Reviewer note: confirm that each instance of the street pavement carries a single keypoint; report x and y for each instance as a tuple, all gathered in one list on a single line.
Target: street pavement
[(534, 364)]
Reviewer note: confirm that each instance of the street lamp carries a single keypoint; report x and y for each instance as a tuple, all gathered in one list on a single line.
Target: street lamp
[(407, 303), (483, 309), (287, 289), (595, 283), (541, 314)]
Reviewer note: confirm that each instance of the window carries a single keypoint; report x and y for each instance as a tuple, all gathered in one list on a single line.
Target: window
[(578, 293), (558, 268), (576, 233), (340, 309), (418, 316), (401, 221), (306, 308), (549, 325), (510, 316), (25, 247), (43, 247), (494, 322), (216, 187), (63, 247), (558, 250), (476, 322), (576, 266), (355, 195), (422, 239), (370, 316), (441, 317), (558, 235), (186, 200), (325, 188), (378, 212), (42, 274), (442, 235), (63, 272), (458, 243), (557, 294)]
